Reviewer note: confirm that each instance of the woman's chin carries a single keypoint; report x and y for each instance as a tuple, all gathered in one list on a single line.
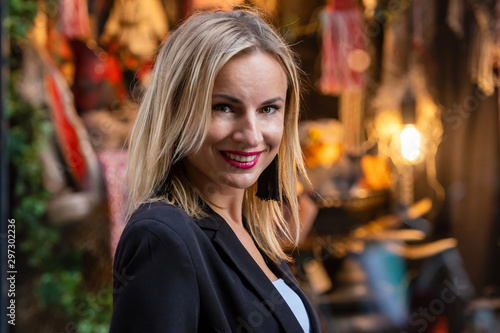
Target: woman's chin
[(242, 184)]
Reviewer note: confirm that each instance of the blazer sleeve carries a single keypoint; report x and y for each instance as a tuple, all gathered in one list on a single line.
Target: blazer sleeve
[(154, 282)]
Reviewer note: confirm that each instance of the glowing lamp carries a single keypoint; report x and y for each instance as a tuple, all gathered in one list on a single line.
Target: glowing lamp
[(410, 143)]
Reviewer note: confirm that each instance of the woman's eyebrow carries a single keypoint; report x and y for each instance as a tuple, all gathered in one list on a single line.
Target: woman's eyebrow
[(238, 101), (228, 97), (274, 100)]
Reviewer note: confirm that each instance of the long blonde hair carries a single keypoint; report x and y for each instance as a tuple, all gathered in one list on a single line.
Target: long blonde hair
[(175, 115)]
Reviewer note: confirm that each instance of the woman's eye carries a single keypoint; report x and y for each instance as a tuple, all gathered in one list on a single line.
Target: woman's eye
[(270, 109), (221, 108)]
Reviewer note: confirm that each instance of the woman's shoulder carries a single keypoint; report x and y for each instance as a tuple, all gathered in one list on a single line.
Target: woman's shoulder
[(158, 210), (160, 218)]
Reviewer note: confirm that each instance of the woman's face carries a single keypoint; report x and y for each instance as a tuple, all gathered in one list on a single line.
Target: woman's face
[(248, 111)]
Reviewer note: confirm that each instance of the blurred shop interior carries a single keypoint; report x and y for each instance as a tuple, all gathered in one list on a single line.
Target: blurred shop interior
[(400, 133)]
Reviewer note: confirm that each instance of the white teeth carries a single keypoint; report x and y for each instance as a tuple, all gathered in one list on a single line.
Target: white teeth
[(240, 158)]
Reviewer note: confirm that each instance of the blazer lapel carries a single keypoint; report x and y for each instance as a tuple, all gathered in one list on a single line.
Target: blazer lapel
[(226, 240), (290, 280)]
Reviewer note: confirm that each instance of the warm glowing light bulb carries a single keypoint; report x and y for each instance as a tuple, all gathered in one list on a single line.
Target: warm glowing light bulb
[(410, 143)]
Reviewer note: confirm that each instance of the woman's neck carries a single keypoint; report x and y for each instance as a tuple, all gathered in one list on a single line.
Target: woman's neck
[(228, 206), (225, 200)]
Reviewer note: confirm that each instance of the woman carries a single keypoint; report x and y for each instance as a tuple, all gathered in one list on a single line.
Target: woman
[(215, 135)]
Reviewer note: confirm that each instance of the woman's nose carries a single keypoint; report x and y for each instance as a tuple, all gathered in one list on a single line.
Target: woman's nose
[(248, 131)]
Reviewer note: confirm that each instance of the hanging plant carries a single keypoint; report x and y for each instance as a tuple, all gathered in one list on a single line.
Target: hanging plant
[(57, 269)]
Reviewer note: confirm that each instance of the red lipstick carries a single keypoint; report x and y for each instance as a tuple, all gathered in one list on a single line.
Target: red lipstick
[(242, 153), (240, 159)]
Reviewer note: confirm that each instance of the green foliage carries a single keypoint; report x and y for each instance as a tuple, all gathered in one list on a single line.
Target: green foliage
[(63, 290), (20, 19), (60, 285)]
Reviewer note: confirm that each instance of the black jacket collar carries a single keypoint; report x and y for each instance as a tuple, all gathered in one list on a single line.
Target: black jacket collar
[(225, 240)]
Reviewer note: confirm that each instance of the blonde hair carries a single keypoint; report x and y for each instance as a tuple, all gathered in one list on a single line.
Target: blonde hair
[(175, 115)]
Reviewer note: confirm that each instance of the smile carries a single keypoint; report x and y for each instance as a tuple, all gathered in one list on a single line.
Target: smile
[(241, 160)]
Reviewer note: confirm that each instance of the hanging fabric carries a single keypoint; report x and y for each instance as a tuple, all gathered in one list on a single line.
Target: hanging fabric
[(397, 46), (138, 26), (63, 117), (351, 116), (455, 17), (427, 33), (98, 78), (74, 19), (418, 29), (483, 52), (344, 59)]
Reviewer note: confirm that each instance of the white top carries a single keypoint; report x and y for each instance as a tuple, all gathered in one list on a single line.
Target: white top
[(294, 303)]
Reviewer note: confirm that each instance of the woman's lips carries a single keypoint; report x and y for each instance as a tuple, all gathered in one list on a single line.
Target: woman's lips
[(240, 159)]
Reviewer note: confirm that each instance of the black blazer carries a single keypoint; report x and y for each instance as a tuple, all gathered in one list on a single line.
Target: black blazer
[(173, 274)]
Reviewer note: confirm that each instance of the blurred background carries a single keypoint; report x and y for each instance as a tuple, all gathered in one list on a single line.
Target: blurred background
[(399, 129)]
